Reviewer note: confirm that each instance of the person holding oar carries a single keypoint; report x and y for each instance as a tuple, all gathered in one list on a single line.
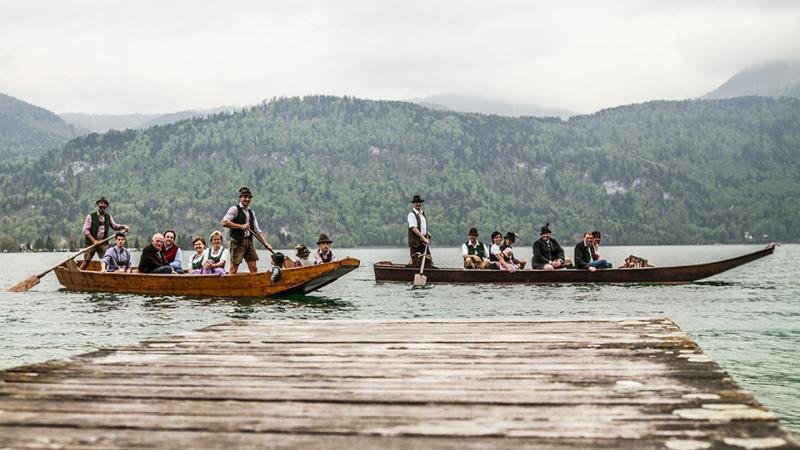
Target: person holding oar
[(418, 236), (241, 220), (96, 230)]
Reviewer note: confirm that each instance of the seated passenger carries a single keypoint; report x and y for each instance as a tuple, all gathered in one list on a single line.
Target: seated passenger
[(277, 264), (547, 253), (216, 256), (496, 257), (584, 255), (302, 252), (171, 253), (209, 261), (596, 236), (199, 246), (117, 258), (324, 254), (508, 252), (151, 260), (474, 252)]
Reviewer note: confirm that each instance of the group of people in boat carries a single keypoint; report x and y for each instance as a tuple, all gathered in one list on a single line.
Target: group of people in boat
[(547, 252), (163, 256)]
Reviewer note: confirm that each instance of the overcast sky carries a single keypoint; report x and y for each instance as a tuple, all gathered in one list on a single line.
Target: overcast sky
[(107, 56)]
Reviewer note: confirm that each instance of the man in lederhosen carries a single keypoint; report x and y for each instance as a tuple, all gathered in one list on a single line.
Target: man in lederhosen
[(240, 219), (96, 228), (418, 236)]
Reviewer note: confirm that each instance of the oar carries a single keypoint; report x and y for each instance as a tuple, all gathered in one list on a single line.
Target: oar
[(264, 243), (419, 278), (33, 280)]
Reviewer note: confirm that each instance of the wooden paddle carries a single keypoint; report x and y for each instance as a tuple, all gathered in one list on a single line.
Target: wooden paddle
[(287, 262), (33, 280), (419, 278)]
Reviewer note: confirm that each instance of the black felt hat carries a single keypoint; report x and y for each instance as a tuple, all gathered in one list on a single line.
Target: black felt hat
[(244, 191), (277, 258), (473, 232), (101, 199), (546, 229), (323, 238), (417, 199), (512, 236)]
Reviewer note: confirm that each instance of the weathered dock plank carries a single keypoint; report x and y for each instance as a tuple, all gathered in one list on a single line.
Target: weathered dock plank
[(421, 384)]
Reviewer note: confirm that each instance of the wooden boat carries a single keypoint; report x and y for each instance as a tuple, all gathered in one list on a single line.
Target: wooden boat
[(387, 271), (298, 280)]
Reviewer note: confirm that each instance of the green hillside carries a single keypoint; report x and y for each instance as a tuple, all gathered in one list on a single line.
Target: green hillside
[(28, 130), (659, 172)]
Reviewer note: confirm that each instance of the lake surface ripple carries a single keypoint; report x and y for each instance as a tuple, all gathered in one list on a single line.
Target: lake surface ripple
[(748, 319)]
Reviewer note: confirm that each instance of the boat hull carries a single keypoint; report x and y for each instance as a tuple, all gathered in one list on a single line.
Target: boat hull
[(386, 271), (293, 280)]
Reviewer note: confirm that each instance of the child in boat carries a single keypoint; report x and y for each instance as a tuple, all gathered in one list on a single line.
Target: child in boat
[(302, 252), (277, 265), (324, 254)]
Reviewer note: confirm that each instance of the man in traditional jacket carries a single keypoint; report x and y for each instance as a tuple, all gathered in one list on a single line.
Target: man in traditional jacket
[(171, 252), (96, 228), (151, 260), (584, 255), (418, 236), (241, 220), (547, 253), (474, 252)]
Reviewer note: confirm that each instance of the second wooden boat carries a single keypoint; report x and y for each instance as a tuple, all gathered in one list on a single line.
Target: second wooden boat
[(387, 271)]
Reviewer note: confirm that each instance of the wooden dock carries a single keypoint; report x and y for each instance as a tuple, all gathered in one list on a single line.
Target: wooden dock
[(602, 384)]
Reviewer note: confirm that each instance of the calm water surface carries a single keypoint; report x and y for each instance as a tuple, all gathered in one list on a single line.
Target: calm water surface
[(748, 319)]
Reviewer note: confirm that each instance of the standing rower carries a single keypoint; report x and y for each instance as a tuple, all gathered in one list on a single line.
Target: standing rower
[(418, 236), (240, 219), (96, 228)]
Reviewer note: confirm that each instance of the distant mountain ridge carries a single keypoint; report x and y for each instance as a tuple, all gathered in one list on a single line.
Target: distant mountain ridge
[(100, 123), (662, 172), (770, 80), (29, 130), (485, 105)]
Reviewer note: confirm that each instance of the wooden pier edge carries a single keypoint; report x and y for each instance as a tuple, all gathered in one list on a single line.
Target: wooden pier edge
[(466, 384)]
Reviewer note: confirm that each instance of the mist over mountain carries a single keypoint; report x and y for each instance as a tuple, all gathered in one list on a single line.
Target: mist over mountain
[(485, 105), (663, 172), (770, 80), (100, 123), (28, 130)]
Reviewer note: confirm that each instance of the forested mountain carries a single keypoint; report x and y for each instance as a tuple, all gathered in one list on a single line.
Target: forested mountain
[(770, 80), (484, 105), (100, 123), (27, 130), (658, 172)]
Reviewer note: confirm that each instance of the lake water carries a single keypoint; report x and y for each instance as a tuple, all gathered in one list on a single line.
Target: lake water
[(748, 319)]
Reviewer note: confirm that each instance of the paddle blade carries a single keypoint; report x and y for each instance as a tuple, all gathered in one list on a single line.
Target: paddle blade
[(420, 280), (25, 284)]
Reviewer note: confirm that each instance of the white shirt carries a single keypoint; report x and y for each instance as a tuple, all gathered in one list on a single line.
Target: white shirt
[(412, 221), (233, 211), (495, 250), (225, 255)]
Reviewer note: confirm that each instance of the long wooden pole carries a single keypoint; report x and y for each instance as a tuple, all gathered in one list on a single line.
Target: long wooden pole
[(264, 243), (33, 280)]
